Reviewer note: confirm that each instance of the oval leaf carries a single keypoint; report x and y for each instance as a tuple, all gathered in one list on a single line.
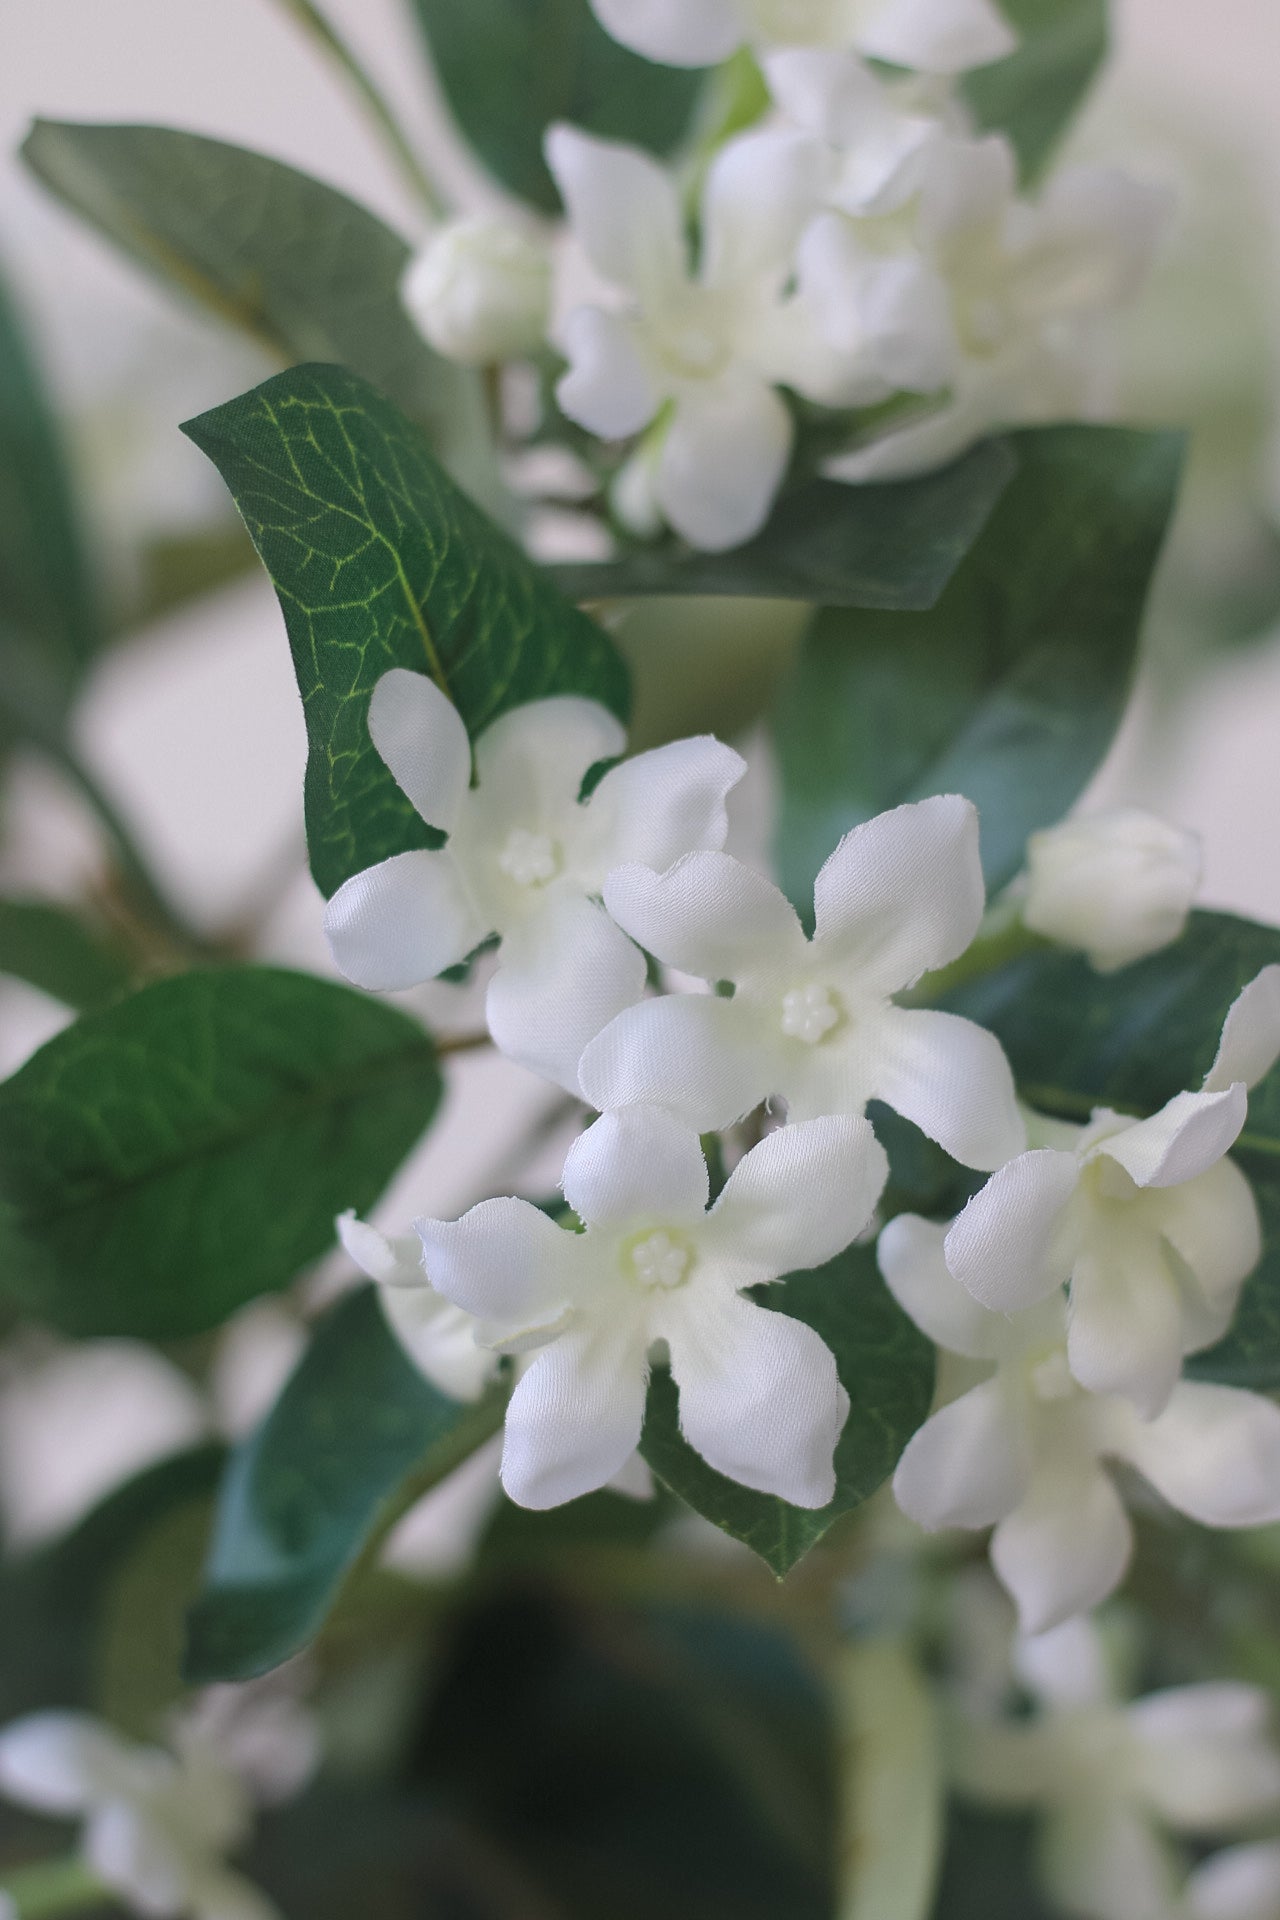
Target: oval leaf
[(49, 948)]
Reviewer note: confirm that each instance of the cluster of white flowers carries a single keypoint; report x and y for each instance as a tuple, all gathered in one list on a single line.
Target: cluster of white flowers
[(859, 242)]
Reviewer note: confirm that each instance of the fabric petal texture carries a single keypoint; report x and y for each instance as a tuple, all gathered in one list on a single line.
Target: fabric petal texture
[(1065, 1548), (440, 1339), (660, 805), (1186, 1137), (1125, 1324), (1214, 1454), (419, 734), (402, 922), (1212, 1225), (969, 1465), (708, 915), (951, 1078), (693, 1053), (505, 1262), (1010, 1247), (1250, 1044), (636, 1167), (799, 1198), (575, 1417), (561, 979), (911, 1255), (531, 762)]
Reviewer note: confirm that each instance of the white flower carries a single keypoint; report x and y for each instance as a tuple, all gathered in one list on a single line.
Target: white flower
[(1111, 1780), (705, 350), (480, 290), (158, 1824), (759, 1395), (813, 1020), (1153, 1227), (1116, 885), (1024, 1451), (939, 36), (524, 859), (1240, 1883), (437, 1336)]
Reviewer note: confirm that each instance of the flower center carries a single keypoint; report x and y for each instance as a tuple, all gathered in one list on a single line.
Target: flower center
[(696, 351), (810, 1013), (660, 1262), (530, 859), (1051, 1378)]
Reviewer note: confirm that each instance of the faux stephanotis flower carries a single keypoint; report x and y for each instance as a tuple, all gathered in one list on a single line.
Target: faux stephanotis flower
[(1026, 1450), (814, 1021), (760, 1398), (1150, 1223), (934, 36), (1116, 885), (525, 859), (437, 1336), (1112, 1780)]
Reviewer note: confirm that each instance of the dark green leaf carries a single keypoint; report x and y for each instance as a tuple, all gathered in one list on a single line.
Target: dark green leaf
[(380, 562), (1131, 1040), (46, 592), (302, 1496), (288, 260), (1011, 689), (50, 948), (893, 546), (510, 68), (168, 1158), (1035, 94), (886, 1368)]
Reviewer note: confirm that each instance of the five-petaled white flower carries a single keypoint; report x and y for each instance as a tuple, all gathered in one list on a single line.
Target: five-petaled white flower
[(813, 1021), (158, 1824), (699, 354), (934, 36), (1154, 1228), (1025, 1449), (524, 858), (1116, 885), (1112, 1780), (760, 1398), (437, 1336)]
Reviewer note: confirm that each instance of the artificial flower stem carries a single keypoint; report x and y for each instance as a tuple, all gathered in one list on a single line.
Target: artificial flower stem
[(53, 1887), (1001, 939)]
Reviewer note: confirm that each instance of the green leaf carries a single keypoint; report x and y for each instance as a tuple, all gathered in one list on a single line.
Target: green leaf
[(1035, 94), (1131, 1040), (510, 68), (379, 561), (1011, 689), (303, 1495), (288, 260), (886, 1368), (169, 1158), (46, 591), (893, 546), (50, 948)]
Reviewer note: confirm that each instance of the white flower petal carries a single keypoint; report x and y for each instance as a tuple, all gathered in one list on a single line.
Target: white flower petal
[(976, 408), (889, 312), (575, 1417), (1205, 1762), (506, 1263), (392, 1263), (136, 1855), (59, 1762), (401, 922), (969, 1465), (1065, 1548), (419, 734), (799, 1198), (533, 759), (1125, 1324), (760, 1398), (1214, 1454), (679, 33), (1099, 1857), (708, 915), (1250, 1044), (1212, 1224), (938, 36), (1116, 885), (951, 1078), (1012, 1246), (760, 190), (1067, 1666), (657, 806), (692, 1053), (562, 978), (608, 389), (831, 93), (903, 893), (1239, 1883), (911, 1257), (723, 459), (439, 1338), (623, 209), (636, 1167), (1187, 1136)]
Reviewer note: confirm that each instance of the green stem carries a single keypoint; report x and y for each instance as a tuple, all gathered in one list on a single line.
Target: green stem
[(53, 1887), (376, 105), (1002, 938)]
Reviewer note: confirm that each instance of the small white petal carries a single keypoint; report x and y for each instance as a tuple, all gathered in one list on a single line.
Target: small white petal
[(1212, 1224), (575, 1417), (1239, 1883), (392, 1263), (1125, 1324), (1205, 1761), (1100, 1857), (708, 915), (926, 445), (1250, 1044), (608, 388), (969, 1465), (799, 1198), (419, 734), (1214, 1454), (723, 459), (137, 1856), (692, 1053), (1067, 1666), (59, 1762), (951, 1078), (891, 312), (831, 93), (1011, 1246), (1065, 1548), (401, 922), (439, 1338), (938, 36), (760, 1399), (657, 806), (533, 759), (760, 190), (623, 209), (911, 1256), (1187, 1136), (505, 1262), (563, 976), (636, 1167), (679, 33)]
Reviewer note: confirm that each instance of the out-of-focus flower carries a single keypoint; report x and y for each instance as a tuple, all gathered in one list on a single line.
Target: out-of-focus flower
[(437, 1336), (480, 290), (934, 36), (1116, 885)]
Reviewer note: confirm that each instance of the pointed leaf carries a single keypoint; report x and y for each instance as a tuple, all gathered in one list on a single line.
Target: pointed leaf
[(49, 948), (1036, 93)]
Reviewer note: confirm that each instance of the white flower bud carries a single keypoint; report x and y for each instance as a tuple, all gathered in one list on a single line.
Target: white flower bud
[(480, 290), (1117, 886)]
